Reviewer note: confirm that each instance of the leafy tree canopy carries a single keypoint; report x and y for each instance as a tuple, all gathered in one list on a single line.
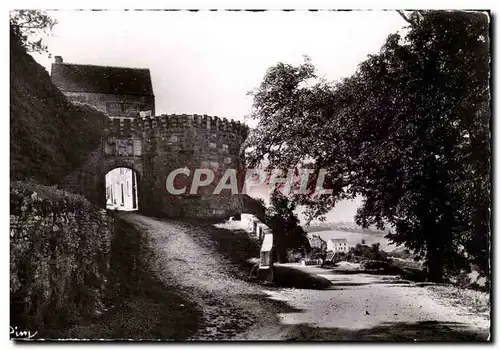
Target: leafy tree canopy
[(28, 26), (409, 132)]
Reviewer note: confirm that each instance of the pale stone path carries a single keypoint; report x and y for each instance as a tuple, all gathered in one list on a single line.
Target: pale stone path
[(357, 302), (357, 306), (231, 307)]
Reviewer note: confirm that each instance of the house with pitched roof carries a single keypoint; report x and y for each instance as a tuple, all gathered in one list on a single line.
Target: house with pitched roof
[(315, 241), (116, 91)]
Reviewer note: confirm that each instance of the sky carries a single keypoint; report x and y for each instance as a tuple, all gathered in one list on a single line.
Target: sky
[(206, 62)]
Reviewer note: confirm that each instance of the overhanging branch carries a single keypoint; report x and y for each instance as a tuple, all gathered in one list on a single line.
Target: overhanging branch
[(406, 18)]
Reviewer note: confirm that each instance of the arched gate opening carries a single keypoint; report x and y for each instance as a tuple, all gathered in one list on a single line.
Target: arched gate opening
[(122, 189)]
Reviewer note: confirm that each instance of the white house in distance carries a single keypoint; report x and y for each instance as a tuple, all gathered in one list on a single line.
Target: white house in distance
[(337, 245), (121, 189)]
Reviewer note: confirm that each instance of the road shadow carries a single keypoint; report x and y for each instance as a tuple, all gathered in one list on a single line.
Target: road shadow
[(277, 306), (411, 274), (424, 331), (347, 282), (289, 277), (357, 284), (336, 271), (140, 306)]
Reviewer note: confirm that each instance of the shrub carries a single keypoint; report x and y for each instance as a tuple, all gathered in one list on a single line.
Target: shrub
[(294, 255), (372, 252), (317, 253), (402, 254)]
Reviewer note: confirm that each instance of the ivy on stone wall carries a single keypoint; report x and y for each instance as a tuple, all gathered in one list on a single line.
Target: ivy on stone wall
[(59, 257)]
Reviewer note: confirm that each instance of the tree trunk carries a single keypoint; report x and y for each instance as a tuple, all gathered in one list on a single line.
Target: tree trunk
[(435, 263)]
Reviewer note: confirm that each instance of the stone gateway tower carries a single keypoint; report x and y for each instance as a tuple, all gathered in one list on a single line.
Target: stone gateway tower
[(152, 146), (156, 146)]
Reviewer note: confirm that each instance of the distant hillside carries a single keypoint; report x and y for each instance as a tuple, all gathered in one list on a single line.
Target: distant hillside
[(49, 136), (342, 226), (353, 233)]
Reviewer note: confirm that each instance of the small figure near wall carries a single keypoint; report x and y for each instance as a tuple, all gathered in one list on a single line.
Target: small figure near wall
[(266, 269)]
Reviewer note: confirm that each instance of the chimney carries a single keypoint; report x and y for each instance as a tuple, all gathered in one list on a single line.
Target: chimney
[(58, 59)]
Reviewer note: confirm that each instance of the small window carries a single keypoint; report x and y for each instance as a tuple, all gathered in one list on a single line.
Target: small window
[(137, 146), (114, 108)]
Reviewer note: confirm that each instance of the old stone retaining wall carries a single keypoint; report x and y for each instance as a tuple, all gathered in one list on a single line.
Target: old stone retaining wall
[(59, 257)]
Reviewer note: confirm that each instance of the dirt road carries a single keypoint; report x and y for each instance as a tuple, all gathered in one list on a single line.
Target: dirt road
[(231, 307), (356, 307), (377, 307)]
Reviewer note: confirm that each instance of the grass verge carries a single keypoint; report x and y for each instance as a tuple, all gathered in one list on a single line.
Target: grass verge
[(475, 301)]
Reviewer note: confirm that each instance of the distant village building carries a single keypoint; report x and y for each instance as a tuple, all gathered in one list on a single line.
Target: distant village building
[(116, 91), (337, 245), (121, 189), (316, 242)]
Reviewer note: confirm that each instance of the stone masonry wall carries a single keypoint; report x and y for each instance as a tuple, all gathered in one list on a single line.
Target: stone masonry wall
[(108, 103), (59, 257)]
